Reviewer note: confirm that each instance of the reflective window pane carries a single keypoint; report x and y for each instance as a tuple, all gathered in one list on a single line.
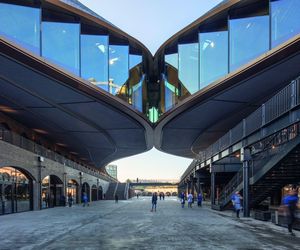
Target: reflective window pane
[(188, 70), (94, 60), (21, 24), (118, 67), (213, 56), (60, 44), (249, 38), (285, 20), (137, 95), (134, 60), (172, 59)]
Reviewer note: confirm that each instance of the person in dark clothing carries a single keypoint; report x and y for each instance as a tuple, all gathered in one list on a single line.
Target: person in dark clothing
[(70, 199), (116, 198), (291, 201), (182, 199), (154, 202), (199, 199)]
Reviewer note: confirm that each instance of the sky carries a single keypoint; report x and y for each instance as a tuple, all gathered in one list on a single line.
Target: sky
[(152, 22)]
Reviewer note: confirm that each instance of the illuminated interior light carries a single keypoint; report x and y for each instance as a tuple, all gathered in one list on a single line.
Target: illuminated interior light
[(7, 109), (40, 131)]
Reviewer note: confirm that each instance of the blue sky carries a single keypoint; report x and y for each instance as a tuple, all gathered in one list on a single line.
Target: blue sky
[(152, 22)]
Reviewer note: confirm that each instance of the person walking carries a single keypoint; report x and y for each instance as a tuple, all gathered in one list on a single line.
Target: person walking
[(70, 199), (291, 201), (199, 200), (182, 199), (190, 200), (85, 199), (236, 202), (154, 202), (163, 196), (116, 198)]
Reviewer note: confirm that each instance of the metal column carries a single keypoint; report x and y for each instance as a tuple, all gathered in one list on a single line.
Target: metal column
[(246, 158), (212, 188)]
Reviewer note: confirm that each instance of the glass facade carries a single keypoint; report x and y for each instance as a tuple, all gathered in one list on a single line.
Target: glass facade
[(60, 44), (118, 68), (193, 61), (15, 191), (188, 66), (21, 25), (249, 38), (213, 48), (285, 22), (172, 59), (94, 60)]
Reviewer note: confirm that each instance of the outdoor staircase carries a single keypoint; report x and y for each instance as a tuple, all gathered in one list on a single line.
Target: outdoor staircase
[(271, 170), (121, 190), (110, 193)]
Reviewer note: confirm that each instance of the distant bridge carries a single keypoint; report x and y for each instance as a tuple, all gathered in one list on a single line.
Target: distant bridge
[(154, 182)]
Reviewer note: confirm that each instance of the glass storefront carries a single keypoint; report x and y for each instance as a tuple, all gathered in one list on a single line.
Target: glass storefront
[(72, 188), (52, 192), (284, 20), (15, 191), (21, 24)]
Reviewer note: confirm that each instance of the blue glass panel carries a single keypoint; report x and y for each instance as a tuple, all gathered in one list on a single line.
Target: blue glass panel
[(285, 20), (118, 67), (249, 38), (60, 44), (94, 60), (137, 95), (172, 59), (21, 24), (134, 60), (188, 70), (213, 56)]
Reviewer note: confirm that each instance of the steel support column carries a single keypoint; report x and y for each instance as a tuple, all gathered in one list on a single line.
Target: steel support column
[(212, 188), (246, 198)]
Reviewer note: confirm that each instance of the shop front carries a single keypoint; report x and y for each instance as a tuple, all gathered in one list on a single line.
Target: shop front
[(15, 191)]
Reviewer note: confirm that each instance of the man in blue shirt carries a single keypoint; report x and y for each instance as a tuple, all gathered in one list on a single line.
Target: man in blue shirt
[(291, 201), (236, 202)]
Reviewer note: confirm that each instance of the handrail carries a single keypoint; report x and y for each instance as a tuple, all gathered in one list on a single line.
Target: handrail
[(24, 143), (282, 102)]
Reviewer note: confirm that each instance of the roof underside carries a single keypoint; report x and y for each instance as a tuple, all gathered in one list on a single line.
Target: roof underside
[(97, 126), (204, 117)]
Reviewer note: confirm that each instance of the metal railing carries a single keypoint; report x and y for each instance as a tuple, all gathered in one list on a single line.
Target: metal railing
[(261, 153), (24, 143), (281, 103)]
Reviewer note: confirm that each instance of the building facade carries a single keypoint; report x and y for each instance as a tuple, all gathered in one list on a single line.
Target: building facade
[(78, 93)]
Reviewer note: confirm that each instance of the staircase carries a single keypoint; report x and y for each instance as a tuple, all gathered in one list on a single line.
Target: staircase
[(121, 191), (110, 193), (270, 171)]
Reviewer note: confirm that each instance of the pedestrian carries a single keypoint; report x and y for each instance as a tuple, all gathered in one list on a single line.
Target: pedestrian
[(85, 199), (70, 199), (182, 199), (159, 196), (163, 195), (199, 199), (190, 200), (236, 202), (116, 198), (291, 201), (154, 202)]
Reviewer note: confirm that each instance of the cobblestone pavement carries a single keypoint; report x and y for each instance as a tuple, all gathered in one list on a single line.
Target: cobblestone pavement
[(131, 225)]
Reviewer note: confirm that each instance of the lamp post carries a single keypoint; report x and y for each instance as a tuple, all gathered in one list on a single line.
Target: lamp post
[(80, 186), (40, 160)]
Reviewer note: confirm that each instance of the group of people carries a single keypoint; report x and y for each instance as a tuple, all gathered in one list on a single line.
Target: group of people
[(190, 199)]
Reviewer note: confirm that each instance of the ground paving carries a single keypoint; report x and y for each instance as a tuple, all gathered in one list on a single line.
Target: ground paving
[(131, 225)]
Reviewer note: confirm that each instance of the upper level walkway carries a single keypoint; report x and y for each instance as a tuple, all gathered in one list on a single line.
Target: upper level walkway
[(131, 225)]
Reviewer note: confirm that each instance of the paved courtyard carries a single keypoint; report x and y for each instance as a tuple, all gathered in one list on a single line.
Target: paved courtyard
[(131, 225)]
